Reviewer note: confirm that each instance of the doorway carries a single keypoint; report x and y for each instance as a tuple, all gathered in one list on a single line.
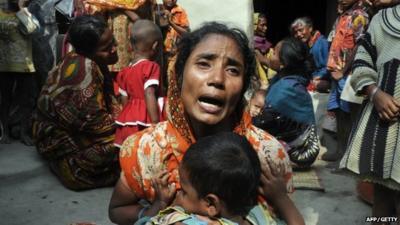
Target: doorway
[(281, 13)]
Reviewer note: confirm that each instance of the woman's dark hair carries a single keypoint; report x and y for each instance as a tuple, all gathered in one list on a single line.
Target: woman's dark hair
[(262, 16), (224, 164), (296, 58), (190, 40), (85, 33)]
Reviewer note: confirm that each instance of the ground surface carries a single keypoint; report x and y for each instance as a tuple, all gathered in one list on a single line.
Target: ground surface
[(31, 194)]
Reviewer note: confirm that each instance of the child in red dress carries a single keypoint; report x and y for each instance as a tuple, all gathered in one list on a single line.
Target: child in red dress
[(139, 83)]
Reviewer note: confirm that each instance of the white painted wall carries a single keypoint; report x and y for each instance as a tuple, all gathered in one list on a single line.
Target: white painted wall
[(237, 13)]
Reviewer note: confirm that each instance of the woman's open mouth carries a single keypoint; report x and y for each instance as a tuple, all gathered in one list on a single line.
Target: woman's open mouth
[(211, 104)]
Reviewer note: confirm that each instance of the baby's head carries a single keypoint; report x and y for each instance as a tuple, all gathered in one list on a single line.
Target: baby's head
[(146, 38), (219, 176), (257, 102)]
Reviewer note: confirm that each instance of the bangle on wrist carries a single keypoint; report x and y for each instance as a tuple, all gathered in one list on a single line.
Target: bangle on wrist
[(373, 93)]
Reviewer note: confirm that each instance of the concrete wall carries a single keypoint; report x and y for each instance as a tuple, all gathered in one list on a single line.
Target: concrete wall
[(236, 13)]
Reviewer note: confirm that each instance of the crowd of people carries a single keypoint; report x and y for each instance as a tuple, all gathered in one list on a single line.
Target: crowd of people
[(196, 126)]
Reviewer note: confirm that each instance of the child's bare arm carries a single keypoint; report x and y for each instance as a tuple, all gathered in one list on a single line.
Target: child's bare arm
[(132, 15), (273, 187), (151, 103), (125, 208), (181, 30), (124, 100)]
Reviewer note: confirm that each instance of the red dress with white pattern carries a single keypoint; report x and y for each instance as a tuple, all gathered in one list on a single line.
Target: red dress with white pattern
[(132, 82)]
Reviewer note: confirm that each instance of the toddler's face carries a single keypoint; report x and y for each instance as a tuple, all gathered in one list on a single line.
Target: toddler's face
[(256, 105), (187, 197)]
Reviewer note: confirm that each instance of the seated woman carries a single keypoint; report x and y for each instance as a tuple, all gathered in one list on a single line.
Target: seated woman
[(73, 125), (288, 112), (213, 70)]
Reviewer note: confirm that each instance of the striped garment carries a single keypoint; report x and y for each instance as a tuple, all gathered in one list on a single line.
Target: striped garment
[(373, 151)]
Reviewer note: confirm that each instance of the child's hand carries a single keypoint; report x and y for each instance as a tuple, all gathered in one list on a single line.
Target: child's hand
[(337, 75), (167, 15), (387, 106), (273, 185), (165, 193), (274, 189)]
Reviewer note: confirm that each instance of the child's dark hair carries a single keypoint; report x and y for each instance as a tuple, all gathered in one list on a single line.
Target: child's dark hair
[(85, 33), (145, 31), (296, 58), (226, 165)]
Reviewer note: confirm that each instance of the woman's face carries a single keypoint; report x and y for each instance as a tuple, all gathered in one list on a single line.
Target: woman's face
[(262, 26), (106, 51), (275, 62), (213, 80), (302, 32)]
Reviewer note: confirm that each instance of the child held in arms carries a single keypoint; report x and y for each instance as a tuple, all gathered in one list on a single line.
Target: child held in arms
[(221, 179)]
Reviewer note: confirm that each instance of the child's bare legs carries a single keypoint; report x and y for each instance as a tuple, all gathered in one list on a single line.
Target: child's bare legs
[(384, 203)]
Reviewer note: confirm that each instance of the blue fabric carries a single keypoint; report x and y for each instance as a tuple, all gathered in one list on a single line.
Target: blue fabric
[(142, 221), (334, 99), (288, 95), (320, 52), (193, 220)]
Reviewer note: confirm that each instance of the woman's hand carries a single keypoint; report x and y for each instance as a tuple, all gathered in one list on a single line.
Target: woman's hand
[(261, 58), (165, 193), (387, 106)]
